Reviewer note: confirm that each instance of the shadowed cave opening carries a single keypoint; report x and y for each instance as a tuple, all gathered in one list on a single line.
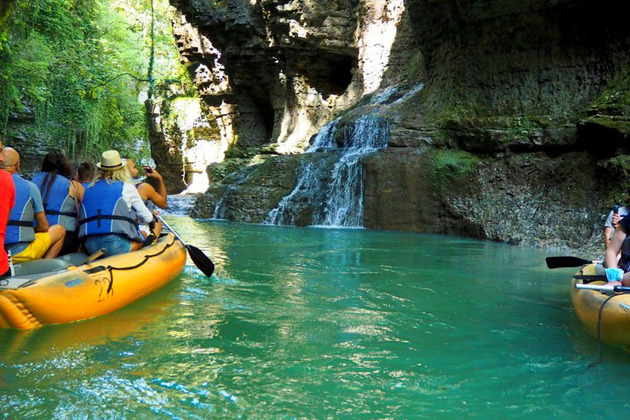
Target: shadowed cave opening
[(329, 73)]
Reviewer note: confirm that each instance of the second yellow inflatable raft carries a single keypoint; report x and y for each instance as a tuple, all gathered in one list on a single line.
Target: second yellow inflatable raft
[(67, 293), (614, 321)]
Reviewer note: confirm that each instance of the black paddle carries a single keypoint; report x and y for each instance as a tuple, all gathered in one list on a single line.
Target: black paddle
[(559, 262), (199, 258)]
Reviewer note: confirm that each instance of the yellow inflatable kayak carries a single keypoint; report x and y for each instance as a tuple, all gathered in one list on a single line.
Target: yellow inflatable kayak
[(614, 322), (72, 288)]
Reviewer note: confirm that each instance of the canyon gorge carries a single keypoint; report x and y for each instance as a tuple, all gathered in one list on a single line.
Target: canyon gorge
[(502, 120)]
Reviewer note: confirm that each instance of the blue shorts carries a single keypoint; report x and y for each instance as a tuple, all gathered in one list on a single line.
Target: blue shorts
[(113, 244)]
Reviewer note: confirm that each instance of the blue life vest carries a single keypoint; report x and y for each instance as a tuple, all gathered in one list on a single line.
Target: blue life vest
[(104, 211), (59, 206), (20, 227)]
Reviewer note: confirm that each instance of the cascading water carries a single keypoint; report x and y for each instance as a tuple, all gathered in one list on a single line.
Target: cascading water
[(329, 187), (220, 209), (284, 214), (325, 139), (343, 197), (344, 206)]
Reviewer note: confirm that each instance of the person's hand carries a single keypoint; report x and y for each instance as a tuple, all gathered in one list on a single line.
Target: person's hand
[(615, 219), (614, 274), (154, 174)]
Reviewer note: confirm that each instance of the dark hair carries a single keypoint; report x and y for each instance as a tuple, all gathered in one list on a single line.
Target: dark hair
[(85, 171), (55, 163)]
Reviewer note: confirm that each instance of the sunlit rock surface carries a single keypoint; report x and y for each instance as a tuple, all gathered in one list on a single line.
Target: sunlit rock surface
[(276, 71)]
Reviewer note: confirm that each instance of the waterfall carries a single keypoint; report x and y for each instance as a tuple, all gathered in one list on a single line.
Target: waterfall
[(344, 205), (219, 209), (329, 188), (342, 201), (306, 184), (325, 139)]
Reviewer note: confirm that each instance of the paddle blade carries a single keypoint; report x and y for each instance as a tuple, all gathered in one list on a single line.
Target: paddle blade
[(201, 260), (559, 262)]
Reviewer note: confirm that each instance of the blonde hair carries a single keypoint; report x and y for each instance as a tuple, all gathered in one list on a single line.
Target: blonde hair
[(121, 174)]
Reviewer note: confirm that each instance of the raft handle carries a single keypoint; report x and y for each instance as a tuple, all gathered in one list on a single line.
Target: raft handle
[(603, 287)]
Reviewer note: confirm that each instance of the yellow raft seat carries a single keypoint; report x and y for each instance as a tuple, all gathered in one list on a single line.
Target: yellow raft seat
[(67, 293), (614, 322)]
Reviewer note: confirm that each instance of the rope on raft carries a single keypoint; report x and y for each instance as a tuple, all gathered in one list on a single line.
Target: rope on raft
[(141, 263)]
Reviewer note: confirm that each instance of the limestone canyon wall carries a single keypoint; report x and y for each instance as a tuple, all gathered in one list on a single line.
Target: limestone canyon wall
[(513, 127)]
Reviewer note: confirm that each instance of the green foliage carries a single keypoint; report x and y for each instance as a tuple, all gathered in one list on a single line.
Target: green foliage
[(611, 110), (77, 66), (615, 99), (449, 168), (457, 162), (415, 69), (619, 166)]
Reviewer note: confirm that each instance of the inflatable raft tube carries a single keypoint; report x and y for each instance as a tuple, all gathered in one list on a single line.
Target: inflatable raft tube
[(614, 321), (64, 290)]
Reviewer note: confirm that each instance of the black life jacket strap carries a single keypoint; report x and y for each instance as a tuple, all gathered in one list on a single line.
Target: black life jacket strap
[(20, 223), (61, 213), (100, 217)]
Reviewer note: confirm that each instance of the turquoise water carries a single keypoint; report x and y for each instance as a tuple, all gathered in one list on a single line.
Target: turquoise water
[(326, 323)]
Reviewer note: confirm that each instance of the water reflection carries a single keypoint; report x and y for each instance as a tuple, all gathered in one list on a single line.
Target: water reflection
[(17, 345)]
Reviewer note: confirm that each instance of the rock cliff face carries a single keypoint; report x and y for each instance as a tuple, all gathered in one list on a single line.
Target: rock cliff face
[(518, 131)]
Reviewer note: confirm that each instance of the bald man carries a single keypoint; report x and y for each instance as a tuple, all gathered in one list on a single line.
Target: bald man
[(29, 237), (7, 201)]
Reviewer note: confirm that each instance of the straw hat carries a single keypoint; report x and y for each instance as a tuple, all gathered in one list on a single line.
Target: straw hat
[(110, 161)]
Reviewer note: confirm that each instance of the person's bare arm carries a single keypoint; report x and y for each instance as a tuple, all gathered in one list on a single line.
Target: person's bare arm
[(147, 192), (607, 232), (76, 191), (41, 223), (160, 188)]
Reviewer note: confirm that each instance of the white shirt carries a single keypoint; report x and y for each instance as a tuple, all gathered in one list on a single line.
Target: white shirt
[(134, 201), (623, 211)]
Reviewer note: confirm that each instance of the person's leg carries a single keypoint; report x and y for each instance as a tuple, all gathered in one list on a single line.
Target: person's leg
[(119, 244), (135, 245), (35, 250), (154, 235), (57, 233), (158, 228), (112, 243), (71, 243)]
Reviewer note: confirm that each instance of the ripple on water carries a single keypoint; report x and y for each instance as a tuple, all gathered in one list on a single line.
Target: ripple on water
[(308, 323)]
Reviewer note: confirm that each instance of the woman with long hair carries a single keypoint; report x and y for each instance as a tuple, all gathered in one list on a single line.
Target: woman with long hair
[(61, 197), (112, 209)]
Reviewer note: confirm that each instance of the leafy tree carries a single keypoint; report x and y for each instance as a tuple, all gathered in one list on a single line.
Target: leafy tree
[(79, 67)]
